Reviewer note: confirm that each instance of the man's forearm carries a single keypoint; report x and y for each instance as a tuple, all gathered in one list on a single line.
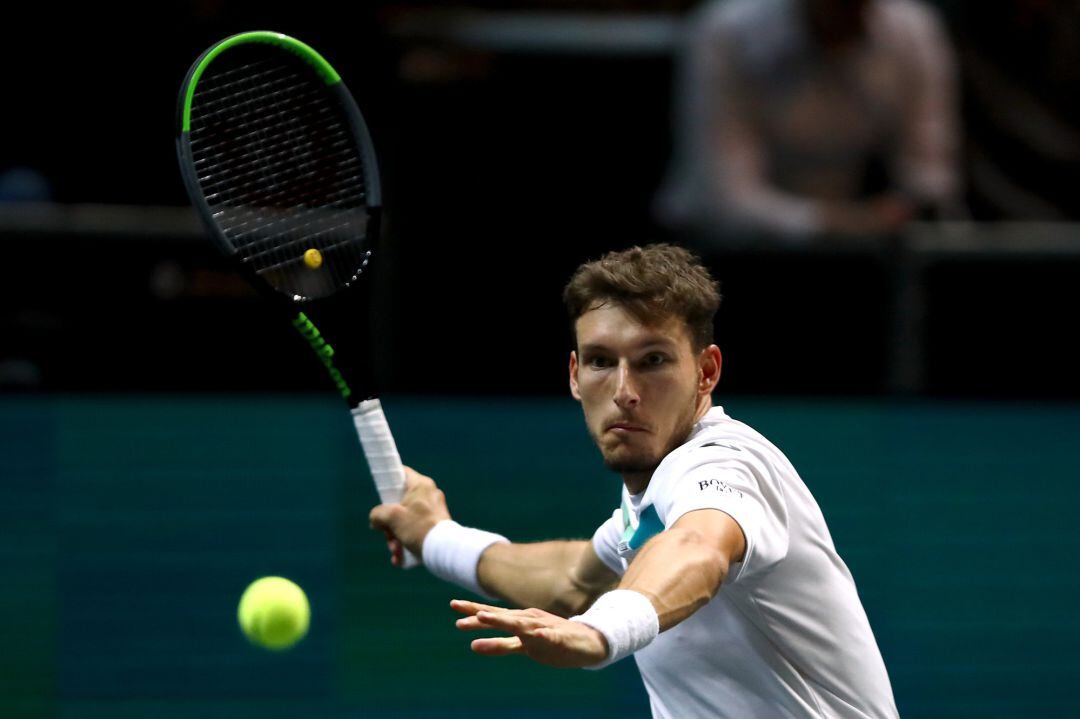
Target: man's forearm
[(679, 572), (676, 573), (540, 575)]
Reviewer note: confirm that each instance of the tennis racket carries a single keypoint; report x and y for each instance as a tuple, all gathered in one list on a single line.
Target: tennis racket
[(279, 164)]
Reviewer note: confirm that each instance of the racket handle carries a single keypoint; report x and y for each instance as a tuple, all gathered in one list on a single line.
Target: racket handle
[(382, 458)]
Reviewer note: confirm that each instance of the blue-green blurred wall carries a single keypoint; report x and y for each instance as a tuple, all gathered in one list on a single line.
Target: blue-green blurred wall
[(131, 525)]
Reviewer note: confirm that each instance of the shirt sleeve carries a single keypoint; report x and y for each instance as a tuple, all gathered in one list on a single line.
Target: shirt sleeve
[(742, 488), (605, 542)]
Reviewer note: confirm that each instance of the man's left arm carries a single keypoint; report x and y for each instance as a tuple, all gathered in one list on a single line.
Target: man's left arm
[(676, 573), (681, 569)]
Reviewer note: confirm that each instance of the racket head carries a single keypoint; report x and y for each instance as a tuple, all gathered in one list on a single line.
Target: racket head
[(279, 164)]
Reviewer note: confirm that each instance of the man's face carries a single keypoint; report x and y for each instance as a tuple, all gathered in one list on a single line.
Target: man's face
[(640, 386)]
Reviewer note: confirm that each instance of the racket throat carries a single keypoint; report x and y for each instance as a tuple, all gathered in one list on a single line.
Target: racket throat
[(323, 351)]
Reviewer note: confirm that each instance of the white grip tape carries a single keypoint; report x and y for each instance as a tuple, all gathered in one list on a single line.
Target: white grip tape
[(382, 457)]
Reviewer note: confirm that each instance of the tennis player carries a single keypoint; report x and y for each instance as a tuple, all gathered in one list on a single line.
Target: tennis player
[(717, 573)]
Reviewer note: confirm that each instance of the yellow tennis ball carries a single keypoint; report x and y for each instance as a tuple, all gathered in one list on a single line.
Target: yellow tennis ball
[(274, 613), (313, 258)]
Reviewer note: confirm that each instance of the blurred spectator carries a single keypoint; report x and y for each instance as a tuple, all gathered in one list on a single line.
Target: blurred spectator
[(807, 118), (1021, 107)]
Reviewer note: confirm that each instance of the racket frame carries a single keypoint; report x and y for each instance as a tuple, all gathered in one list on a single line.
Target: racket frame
[(352, 378)]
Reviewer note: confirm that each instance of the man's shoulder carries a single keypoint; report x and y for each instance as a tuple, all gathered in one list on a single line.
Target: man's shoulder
[(716, 439), (717, 431)]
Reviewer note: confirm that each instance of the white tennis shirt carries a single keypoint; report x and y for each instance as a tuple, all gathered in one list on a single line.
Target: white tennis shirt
[(786, 635)]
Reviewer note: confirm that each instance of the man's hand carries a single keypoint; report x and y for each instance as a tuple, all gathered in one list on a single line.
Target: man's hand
[(406, 524), (539, 635)]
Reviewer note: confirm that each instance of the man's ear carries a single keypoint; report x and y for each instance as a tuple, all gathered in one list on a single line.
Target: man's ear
[(573, 376), (709, 364)]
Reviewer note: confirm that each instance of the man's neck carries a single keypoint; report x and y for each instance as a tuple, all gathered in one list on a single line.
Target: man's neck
[(704, 405), (636, 482)]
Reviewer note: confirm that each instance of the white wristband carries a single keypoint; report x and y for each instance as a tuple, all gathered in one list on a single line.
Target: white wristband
[(627, 620), (451, 552)]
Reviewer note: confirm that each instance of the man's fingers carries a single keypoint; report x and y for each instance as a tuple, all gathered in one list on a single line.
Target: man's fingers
[(466, 607), (496, 646), (382, 516), (397, 552), (468, 624), (414, 479), (483, 616), (486, 616), (510, 621)]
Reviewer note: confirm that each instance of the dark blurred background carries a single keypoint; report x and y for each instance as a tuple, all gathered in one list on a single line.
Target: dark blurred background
[(517, 141), (922, 377)]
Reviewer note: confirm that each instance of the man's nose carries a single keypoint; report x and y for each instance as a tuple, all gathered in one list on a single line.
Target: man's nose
[(626, 395)]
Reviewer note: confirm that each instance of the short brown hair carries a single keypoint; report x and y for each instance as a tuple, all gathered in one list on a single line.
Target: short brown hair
[(652, 283)]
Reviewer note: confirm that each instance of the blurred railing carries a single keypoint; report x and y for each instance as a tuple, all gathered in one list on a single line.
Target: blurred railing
[(924, 245), (548, 33), (85, 220), (917, 255)]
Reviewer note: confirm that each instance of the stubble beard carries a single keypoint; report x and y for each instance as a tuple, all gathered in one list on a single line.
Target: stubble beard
[(631, 465), (646, 464)]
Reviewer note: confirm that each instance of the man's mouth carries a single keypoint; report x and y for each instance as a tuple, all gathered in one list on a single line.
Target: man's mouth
[(625, 427)]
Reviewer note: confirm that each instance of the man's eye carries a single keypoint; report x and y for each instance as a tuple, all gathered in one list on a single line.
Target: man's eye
[(655, 360), (599, 362)]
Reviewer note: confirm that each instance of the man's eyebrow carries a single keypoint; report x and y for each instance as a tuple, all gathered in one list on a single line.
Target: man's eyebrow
[(650, 343), (659, 342)]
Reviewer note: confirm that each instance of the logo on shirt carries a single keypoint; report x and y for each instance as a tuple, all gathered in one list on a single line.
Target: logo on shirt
[(719, 486)]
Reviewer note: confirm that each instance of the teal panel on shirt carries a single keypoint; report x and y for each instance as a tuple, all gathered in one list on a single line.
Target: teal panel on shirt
[(649, 525), (636, 534)]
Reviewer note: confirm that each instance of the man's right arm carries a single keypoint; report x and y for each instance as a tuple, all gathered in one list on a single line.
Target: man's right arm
[(561, 577)]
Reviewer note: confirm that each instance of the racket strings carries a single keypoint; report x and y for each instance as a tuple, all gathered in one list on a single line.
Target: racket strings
[(237, 168), (291, 154), (282, 173), (255, 221), (334, 269), (241, 170), (227, 78), (242, 132), (325, 226), (327, 249), (307, 185)]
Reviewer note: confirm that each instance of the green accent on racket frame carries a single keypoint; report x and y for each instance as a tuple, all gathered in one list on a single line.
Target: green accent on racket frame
[(302, 50)]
